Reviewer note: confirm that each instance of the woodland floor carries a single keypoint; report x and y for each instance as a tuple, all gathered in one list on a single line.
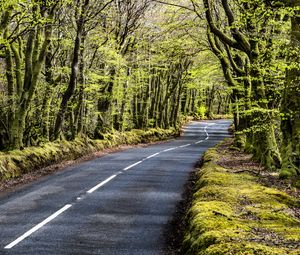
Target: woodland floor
[(238, 162), (235, 162)]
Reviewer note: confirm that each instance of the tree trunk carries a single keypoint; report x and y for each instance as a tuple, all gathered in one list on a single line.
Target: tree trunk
[(74, 69), (290, 106)]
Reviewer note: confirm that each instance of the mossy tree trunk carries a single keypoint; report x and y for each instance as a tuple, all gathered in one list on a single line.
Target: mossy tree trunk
[(79, 100), (240, 40), (80, 22), (51, 84), (105, 121), (290, 106), (210, 97), (22, 89)]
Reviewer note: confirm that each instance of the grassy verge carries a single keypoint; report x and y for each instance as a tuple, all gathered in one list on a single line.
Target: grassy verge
[(234, 212), (18, 162)]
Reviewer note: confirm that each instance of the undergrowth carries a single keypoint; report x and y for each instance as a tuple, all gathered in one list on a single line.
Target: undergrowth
[(233, 213)]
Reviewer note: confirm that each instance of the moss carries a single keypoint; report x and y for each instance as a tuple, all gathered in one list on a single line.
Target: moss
[(17, 162), (240, 140), (210, 155), (289, 166), (296, 184), (287, 173), (234, 214), (244, 248)]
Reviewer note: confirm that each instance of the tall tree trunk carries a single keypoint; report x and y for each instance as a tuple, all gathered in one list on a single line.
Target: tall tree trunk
[(34, 57), (105, 121), (78, 113), (81, 9), (120, 123), (290, 123)]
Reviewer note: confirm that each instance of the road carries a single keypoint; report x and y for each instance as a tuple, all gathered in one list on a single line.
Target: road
[(117, 204)]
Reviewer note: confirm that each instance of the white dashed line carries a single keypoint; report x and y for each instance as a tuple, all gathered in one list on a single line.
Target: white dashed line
[(37, 227), (153, 155), (171, 149), (66, 207), (183, 146), (205, 129), (131, 166), (101, 184)]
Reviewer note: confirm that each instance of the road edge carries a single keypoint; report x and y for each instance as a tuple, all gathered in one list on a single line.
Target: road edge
[(24, 166)]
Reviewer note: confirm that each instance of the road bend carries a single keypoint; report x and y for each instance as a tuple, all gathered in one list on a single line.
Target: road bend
[(117, 204)]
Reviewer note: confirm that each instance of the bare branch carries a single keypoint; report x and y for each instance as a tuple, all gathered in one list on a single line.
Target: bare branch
[(176, 5)]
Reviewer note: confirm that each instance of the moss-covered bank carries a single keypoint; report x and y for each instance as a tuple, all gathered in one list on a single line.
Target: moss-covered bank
[(18, 162), (232, 213)]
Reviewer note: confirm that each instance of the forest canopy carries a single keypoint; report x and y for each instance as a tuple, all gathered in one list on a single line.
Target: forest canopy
[(89, 67)]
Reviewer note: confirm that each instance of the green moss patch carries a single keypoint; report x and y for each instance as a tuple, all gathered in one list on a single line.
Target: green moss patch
[(232, 213), (18, 162)]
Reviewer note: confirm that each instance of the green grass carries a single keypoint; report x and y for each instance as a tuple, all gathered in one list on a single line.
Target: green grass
[(15, 163), (234, 214)]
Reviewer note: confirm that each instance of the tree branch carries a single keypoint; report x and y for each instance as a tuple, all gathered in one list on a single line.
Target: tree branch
[(176, 5), (239, 37), (215, 30)]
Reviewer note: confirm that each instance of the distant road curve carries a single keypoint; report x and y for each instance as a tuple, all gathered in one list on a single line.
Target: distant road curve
[(118, 204)]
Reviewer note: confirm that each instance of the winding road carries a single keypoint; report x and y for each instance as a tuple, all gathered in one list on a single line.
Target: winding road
[(117, 204)]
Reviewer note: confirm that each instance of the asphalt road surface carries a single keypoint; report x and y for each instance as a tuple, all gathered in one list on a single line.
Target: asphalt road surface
[(117, 204)]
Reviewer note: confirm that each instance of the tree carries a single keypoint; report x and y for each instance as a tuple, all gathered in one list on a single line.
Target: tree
[(290, 107), (82, 16), (37, 36), (89, 67)]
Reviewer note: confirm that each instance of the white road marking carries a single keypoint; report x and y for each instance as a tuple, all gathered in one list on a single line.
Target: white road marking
[(186, 145), (37, 227), (131, 166), (205, 129), (171, 149), (66, 207), (153, 155), (101, 184)]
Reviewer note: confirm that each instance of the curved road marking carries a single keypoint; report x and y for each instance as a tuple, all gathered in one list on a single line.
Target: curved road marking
[(183, 146), (171, 149), (153, 155), (131, 166), (66, 207)]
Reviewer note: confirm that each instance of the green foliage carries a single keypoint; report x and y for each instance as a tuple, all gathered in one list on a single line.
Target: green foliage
[(201, 112), (17, 162), (234, 214), (137, 65)]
